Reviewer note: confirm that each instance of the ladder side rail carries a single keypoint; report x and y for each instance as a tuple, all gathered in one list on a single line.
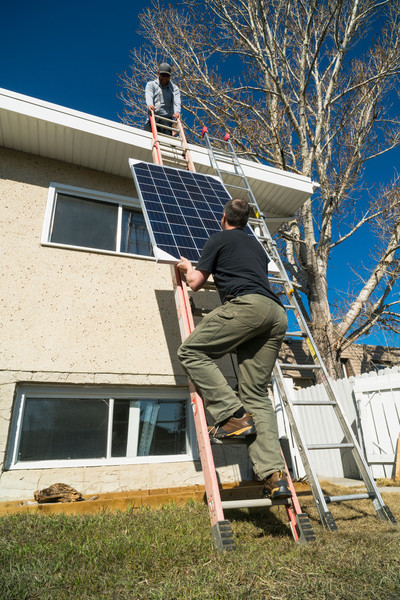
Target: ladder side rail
[(339, 412), (156, 151), (289, 291), (211, 153), (221, 529), (361, 463), (324, 513), (357, 453), (186, 324), (185, 146), (240, 169)]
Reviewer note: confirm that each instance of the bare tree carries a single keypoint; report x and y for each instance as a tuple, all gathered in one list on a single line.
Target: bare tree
[(312, 91)]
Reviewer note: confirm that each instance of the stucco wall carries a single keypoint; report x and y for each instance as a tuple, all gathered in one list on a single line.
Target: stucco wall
[(67, 310), (70, 316), (232, 463)]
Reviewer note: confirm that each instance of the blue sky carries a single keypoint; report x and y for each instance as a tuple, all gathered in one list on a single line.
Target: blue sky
[(71, 54)]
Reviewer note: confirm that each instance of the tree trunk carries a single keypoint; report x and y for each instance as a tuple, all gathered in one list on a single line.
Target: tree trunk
[(324, 333), (321, 324)]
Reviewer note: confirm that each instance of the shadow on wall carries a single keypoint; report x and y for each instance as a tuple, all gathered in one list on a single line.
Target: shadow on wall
[(167, 309)]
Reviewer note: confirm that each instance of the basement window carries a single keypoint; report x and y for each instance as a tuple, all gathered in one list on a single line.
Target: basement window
[(86, 219), (55, 427)]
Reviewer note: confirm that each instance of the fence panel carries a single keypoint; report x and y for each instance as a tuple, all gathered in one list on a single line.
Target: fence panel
[(378, 404), (371, 404)]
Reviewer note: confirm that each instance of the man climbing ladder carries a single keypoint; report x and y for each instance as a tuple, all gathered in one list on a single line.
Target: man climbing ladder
[(252, 322)]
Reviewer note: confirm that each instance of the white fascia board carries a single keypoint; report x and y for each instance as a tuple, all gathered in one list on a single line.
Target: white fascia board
[(69, 118), (126, 134)]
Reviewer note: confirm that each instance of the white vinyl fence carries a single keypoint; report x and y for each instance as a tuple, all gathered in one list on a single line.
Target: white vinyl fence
[(371, 404)]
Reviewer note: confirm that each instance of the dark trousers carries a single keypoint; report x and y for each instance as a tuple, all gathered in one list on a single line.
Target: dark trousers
[(159, 124)]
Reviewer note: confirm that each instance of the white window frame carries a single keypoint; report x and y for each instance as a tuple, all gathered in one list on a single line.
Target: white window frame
[(69, 190), (95, 392)]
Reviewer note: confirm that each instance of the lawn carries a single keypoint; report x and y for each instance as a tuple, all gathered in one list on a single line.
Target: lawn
[(167, 554)]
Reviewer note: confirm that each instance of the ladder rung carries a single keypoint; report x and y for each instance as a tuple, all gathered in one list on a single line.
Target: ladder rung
[(252, 503), (230, 172), (177, 163), (298, 367), (367, 496), (280, 281), (171, 148), (275, 279), (330, 446), (225, 158), (314, 402), (299, 334), (170, 156), (218, 149), (236, 187), (255, 221)]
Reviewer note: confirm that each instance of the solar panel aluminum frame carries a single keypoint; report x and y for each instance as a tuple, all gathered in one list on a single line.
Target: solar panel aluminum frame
[(159, 254)]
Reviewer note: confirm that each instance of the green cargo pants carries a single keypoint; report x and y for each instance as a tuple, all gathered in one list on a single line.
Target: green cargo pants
[(254, 326)]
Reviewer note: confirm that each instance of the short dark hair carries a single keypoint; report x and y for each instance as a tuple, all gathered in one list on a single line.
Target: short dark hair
[(237, 212)]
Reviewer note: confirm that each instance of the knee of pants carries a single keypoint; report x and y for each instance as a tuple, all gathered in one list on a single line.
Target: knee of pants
[(187, 355), (183, 354)]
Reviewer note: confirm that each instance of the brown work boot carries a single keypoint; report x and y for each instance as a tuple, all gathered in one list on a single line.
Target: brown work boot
[(276, 486), (233, 428)]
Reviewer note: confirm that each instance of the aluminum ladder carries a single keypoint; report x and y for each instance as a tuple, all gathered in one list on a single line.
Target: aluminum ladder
[(221, 529), (224, 160)]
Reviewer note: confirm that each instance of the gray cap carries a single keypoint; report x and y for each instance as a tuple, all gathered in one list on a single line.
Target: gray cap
[(164, 68)]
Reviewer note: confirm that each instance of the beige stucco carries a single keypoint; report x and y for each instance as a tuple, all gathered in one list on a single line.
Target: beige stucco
[(78, 317), (72, 310)]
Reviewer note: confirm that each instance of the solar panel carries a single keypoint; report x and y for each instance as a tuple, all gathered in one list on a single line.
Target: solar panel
[(181, 208)]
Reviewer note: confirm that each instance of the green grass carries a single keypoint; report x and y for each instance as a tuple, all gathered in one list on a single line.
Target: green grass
[(168, 554)]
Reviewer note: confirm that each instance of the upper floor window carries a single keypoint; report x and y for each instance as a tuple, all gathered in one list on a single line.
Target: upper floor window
[(82, 218)]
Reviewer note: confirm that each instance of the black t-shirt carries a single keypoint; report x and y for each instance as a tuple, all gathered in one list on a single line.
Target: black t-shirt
[(238, 263)]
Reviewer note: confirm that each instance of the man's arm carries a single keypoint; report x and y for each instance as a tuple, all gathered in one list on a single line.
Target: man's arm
[(150, 95), (176, 101), (194, 278)]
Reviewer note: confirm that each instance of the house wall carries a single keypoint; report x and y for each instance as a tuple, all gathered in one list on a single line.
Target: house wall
[(84, 318)]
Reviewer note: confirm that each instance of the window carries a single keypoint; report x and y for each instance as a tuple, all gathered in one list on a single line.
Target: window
[(380, 366), (84, 219), (59, 427)]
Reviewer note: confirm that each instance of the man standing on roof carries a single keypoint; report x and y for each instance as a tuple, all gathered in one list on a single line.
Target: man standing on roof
[(164, 98), (251, 322)]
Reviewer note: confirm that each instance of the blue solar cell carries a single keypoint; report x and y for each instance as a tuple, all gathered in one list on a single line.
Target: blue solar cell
[(170, 209), (181, 208), (180, 230), (161, 227), (176, 219), (156, 216)]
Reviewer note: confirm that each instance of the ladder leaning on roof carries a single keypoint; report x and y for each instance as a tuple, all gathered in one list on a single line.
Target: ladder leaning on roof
[(167, 150), (225, 161)]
